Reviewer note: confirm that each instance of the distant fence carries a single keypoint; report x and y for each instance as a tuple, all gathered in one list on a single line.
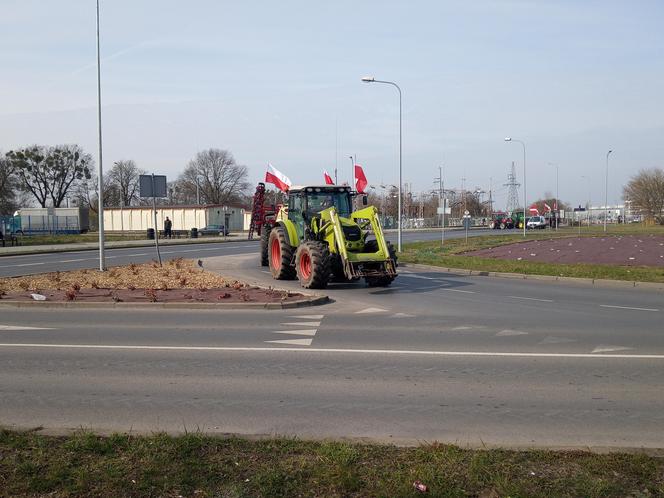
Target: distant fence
[(40, 225)]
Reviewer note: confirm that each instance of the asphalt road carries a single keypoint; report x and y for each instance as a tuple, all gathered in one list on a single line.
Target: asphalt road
[(11, 266), (471, 360)]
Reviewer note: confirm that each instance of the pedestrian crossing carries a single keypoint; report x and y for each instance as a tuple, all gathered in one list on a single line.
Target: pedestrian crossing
[(306, 325)]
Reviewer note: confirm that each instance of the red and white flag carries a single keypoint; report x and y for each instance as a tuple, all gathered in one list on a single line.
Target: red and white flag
[(547, 207), (275, 177), (328, 178), (555, 205), (533, 210), (360, 179)]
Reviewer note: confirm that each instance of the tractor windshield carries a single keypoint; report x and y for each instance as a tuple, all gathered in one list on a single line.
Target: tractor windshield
[(319, 201)]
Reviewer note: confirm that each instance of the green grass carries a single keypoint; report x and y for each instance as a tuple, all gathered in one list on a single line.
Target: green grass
[(36, 240), (450, 256), (196, 465)]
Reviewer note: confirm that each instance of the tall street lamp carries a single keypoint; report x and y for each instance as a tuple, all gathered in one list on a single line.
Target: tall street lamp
[(371, 79), (100, 173), (510, 139), (606, 190)]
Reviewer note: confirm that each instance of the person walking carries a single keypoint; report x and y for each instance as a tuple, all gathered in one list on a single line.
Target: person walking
[(168, 224)]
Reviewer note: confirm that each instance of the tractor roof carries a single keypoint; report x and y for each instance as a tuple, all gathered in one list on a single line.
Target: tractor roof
[(319, 188)]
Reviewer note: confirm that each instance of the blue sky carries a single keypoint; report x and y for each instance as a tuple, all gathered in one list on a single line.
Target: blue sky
[(280, 82)]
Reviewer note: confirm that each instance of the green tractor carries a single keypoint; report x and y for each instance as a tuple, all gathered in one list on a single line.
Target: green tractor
[(318, 237)]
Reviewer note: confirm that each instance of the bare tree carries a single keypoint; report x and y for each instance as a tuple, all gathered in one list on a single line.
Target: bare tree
[(123, 177), (219, 178), (50, 173), (8, 187), (646, 193)]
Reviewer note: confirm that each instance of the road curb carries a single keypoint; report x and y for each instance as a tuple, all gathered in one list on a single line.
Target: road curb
[(300, 303), (596, 282), (111, 245)]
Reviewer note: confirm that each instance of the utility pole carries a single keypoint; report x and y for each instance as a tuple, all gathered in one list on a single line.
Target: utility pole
[(100, 171)]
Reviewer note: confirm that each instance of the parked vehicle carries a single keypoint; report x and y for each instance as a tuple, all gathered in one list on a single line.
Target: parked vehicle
[(536, 222), (214, 230)]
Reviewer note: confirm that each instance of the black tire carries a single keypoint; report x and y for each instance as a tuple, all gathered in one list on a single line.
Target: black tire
[(280, 255), (384, 280), (265, 239), (312, 264)]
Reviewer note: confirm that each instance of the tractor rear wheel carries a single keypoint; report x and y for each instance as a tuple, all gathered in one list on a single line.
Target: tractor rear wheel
[(312, 263), (280, 255), (265, 240)]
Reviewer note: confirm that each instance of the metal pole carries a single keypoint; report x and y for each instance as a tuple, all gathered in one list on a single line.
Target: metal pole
[(524, 186), (557, 199), (156, 227), (606, 190), (351, 183), (100, 171)]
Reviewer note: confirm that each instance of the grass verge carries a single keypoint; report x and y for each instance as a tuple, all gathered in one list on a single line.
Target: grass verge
[(430, 253), (85, 464)]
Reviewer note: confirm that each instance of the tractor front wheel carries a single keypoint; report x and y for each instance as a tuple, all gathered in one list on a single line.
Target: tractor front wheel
[(312, 263), (280, 255), (265, 241), (383, 280)]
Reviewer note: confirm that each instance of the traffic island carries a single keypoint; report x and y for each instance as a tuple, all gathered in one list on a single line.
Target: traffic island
[(178, 283)]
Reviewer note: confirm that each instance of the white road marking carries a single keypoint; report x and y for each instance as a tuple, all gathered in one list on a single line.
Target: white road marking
[(371, 310), (310, 332), (412, 275), (137, 254), (627, 307), (509, 333), (413, 352), (310, 317), (29, 264), (555, 340), (73, 260), (532, 299), (22, 327), (294, 342), (609, 349), (302, 324), (459, 290), (402, 315)]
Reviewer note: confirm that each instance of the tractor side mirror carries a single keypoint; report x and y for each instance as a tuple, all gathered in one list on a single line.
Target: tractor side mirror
[(365, 200)]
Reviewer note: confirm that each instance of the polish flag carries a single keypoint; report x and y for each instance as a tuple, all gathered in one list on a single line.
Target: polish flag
[(275, 177), (328, 178), (360, 179), (547, 207), (533, 210), (555, 205)]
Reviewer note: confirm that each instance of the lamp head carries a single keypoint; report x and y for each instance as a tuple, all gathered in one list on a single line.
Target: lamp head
[(508, 139), (368, 79)]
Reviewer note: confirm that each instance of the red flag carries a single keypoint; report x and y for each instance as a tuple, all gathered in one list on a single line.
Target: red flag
[(533, 210), (547, 207), (272, 175), (360, 179), (328, 178), (555, 205)]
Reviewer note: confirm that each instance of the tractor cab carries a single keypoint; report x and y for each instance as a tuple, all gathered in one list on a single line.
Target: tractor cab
[(306, 203)]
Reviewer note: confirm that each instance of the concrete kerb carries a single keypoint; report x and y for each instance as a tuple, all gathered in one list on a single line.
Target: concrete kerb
[(314, 300), (597, 282)]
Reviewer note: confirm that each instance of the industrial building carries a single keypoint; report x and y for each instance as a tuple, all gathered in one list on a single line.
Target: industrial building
[(140, 218)]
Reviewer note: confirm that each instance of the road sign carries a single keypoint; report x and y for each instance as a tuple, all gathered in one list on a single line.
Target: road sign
[(152, 186), (441, 210), (466, 213)]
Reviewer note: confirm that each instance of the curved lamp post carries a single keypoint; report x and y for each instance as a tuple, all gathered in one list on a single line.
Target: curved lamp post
[(510, 139), (371, 79)]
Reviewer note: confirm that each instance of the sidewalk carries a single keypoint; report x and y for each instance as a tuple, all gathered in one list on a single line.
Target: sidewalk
[(116, 244)]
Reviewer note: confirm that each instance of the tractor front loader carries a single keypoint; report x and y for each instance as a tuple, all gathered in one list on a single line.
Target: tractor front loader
[(317, 237)]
